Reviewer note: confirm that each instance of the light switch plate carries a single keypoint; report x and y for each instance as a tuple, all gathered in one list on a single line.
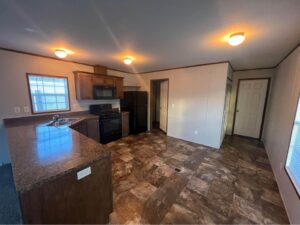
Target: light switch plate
[(84, 173)]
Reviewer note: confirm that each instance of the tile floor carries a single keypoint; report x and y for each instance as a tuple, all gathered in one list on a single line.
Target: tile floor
[(232, 185)]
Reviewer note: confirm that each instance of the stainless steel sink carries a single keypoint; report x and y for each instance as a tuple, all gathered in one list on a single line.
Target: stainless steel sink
[(63, 121)]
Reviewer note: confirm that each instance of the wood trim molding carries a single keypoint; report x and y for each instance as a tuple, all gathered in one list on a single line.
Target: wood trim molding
[(50, 57), (261, 68), (265, 104), (43, 56), (287, 55), (184, 67)]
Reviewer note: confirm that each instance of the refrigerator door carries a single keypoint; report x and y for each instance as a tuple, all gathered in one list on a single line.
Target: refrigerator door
[(135, 102), (141, 116)]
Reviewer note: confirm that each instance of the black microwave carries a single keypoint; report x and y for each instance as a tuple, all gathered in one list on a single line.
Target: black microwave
[(104, 92)]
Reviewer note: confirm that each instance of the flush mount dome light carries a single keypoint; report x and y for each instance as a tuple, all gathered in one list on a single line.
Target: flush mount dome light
[(128, 60), (236, 39), (60, 53)]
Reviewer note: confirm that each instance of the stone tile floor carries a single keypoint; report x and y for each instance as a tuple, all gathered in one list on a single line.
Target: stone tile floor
[(232, 185)]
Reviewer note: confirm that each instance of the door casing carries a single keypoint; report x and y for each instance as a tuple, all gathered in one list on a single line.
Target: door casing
[(265, 104), (152, 101)]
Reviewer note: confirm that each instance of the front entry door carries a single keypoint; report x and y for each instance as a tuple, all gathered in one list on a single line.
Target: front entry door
[(163, 105), (250, 107)]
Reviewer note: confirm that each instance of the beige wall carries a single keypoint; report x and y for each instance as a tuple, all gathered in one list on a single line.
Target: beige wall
[(14, 91), (269, 73), (196, 102), (280, 118)]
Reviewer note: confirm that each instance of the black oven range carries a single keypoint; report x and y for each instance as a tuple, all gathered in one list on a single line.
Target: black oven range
[(110, 123)]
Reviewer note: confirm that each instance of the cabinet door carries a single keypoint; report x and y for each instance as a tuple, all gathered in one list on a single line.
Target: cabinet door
[(93, 129), (119, 87), (109, 81), (98, 80), (83, 129), (84, 86), (125, 124)]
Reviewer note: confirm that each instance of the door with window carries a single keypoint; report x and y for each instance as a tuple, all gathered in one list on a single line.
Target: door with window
[(164, 85), (251, 102)]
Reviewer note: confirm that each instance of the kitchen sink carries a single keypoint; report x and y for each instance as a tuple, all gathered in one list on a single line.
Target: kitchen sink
[(63, 121)]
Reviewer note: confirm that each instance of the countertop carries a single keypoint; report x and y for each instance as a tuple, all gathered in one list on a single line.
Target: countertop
[(40, 153)]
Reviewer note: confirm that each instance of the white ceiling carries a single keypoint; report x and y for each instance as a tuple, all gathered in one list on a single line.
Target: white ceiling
[(159, 33)]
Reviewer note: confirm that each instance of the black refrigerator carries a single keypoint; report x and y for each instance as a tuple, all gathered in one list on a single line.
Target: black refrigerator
[(136, 103)]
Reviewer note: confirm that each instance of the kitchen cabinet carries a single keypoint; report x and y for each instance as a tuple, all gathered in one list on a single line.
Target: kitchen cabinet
[(100, 69), (125, 124), (89, 128), (85, 81), (93, 129), (119, 87), (84, 86), (68, 199), (81, 127)]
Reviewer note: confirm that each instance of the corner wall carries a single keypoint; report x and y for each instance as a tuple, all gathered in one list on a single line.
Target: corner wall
[(279, 123), (196, 102)]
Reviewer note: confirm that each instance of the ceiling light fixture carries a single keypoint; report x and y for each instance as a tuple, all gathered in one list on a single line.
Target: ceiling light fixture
[(60, 53), (128, 60), (236, 39)]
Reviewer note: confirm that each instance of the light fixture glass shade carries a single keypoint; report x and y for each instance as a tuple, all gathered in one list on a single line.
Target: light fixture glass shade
[(236, 39), (60, 53), (128, 60)]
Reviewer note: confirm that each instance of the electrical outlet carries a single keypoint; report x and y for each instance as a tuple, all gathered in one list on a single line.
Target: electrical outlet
[(17, 109), (83, 173), (26, 109)]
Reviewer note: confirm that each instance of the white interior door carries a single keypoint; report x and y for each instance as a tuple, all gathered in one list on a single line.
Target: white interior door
[(163, 105), (250, 107)]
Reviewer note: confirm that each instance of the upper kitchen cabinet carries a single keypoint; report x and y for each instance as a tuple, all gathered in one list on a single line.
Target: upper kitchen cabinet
[(85, 81), (83, 85), (100, 69), (119, 84)]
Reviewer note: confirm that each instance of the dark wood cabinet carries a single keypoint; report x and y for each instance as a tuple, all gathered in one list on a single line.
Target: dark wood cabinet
[(98, 80), (93, 129), (119, 87), (125, 124), (89, 128), (100, 69), (84, 85), (85, 81), (67, 200)]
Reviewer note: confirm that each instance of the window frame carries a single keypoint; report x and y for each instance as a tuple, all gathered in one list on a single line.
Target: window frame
[(286, 159), (51, 76)]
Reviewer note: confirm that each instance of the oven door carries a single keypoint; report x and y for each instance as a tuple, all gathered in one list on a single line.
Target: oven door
[(110, 129), (104, 92)]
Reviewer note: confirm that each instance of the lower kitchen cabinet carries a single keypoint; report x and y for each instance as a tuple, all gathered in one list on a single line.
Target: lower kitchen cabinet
[(125, 124), (93, 130), (69, 200), (88, 127)]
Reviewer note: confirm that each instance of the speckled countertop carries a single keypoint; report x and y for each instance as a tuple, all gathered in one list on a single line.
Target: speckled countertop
[(40, 153)]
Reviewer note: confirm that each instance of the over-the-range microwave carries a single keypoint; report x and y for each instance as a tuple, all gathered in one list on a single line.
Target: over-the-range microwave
[(104, 92)]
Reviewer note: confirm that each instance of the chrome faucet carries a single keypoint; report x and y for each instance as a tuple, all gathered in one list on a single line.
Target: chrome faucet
[(55, 118)]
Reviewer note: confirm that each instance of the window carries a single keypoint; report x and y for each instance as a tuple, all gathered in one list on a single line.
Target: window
[(293, 159), (48, 93)]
